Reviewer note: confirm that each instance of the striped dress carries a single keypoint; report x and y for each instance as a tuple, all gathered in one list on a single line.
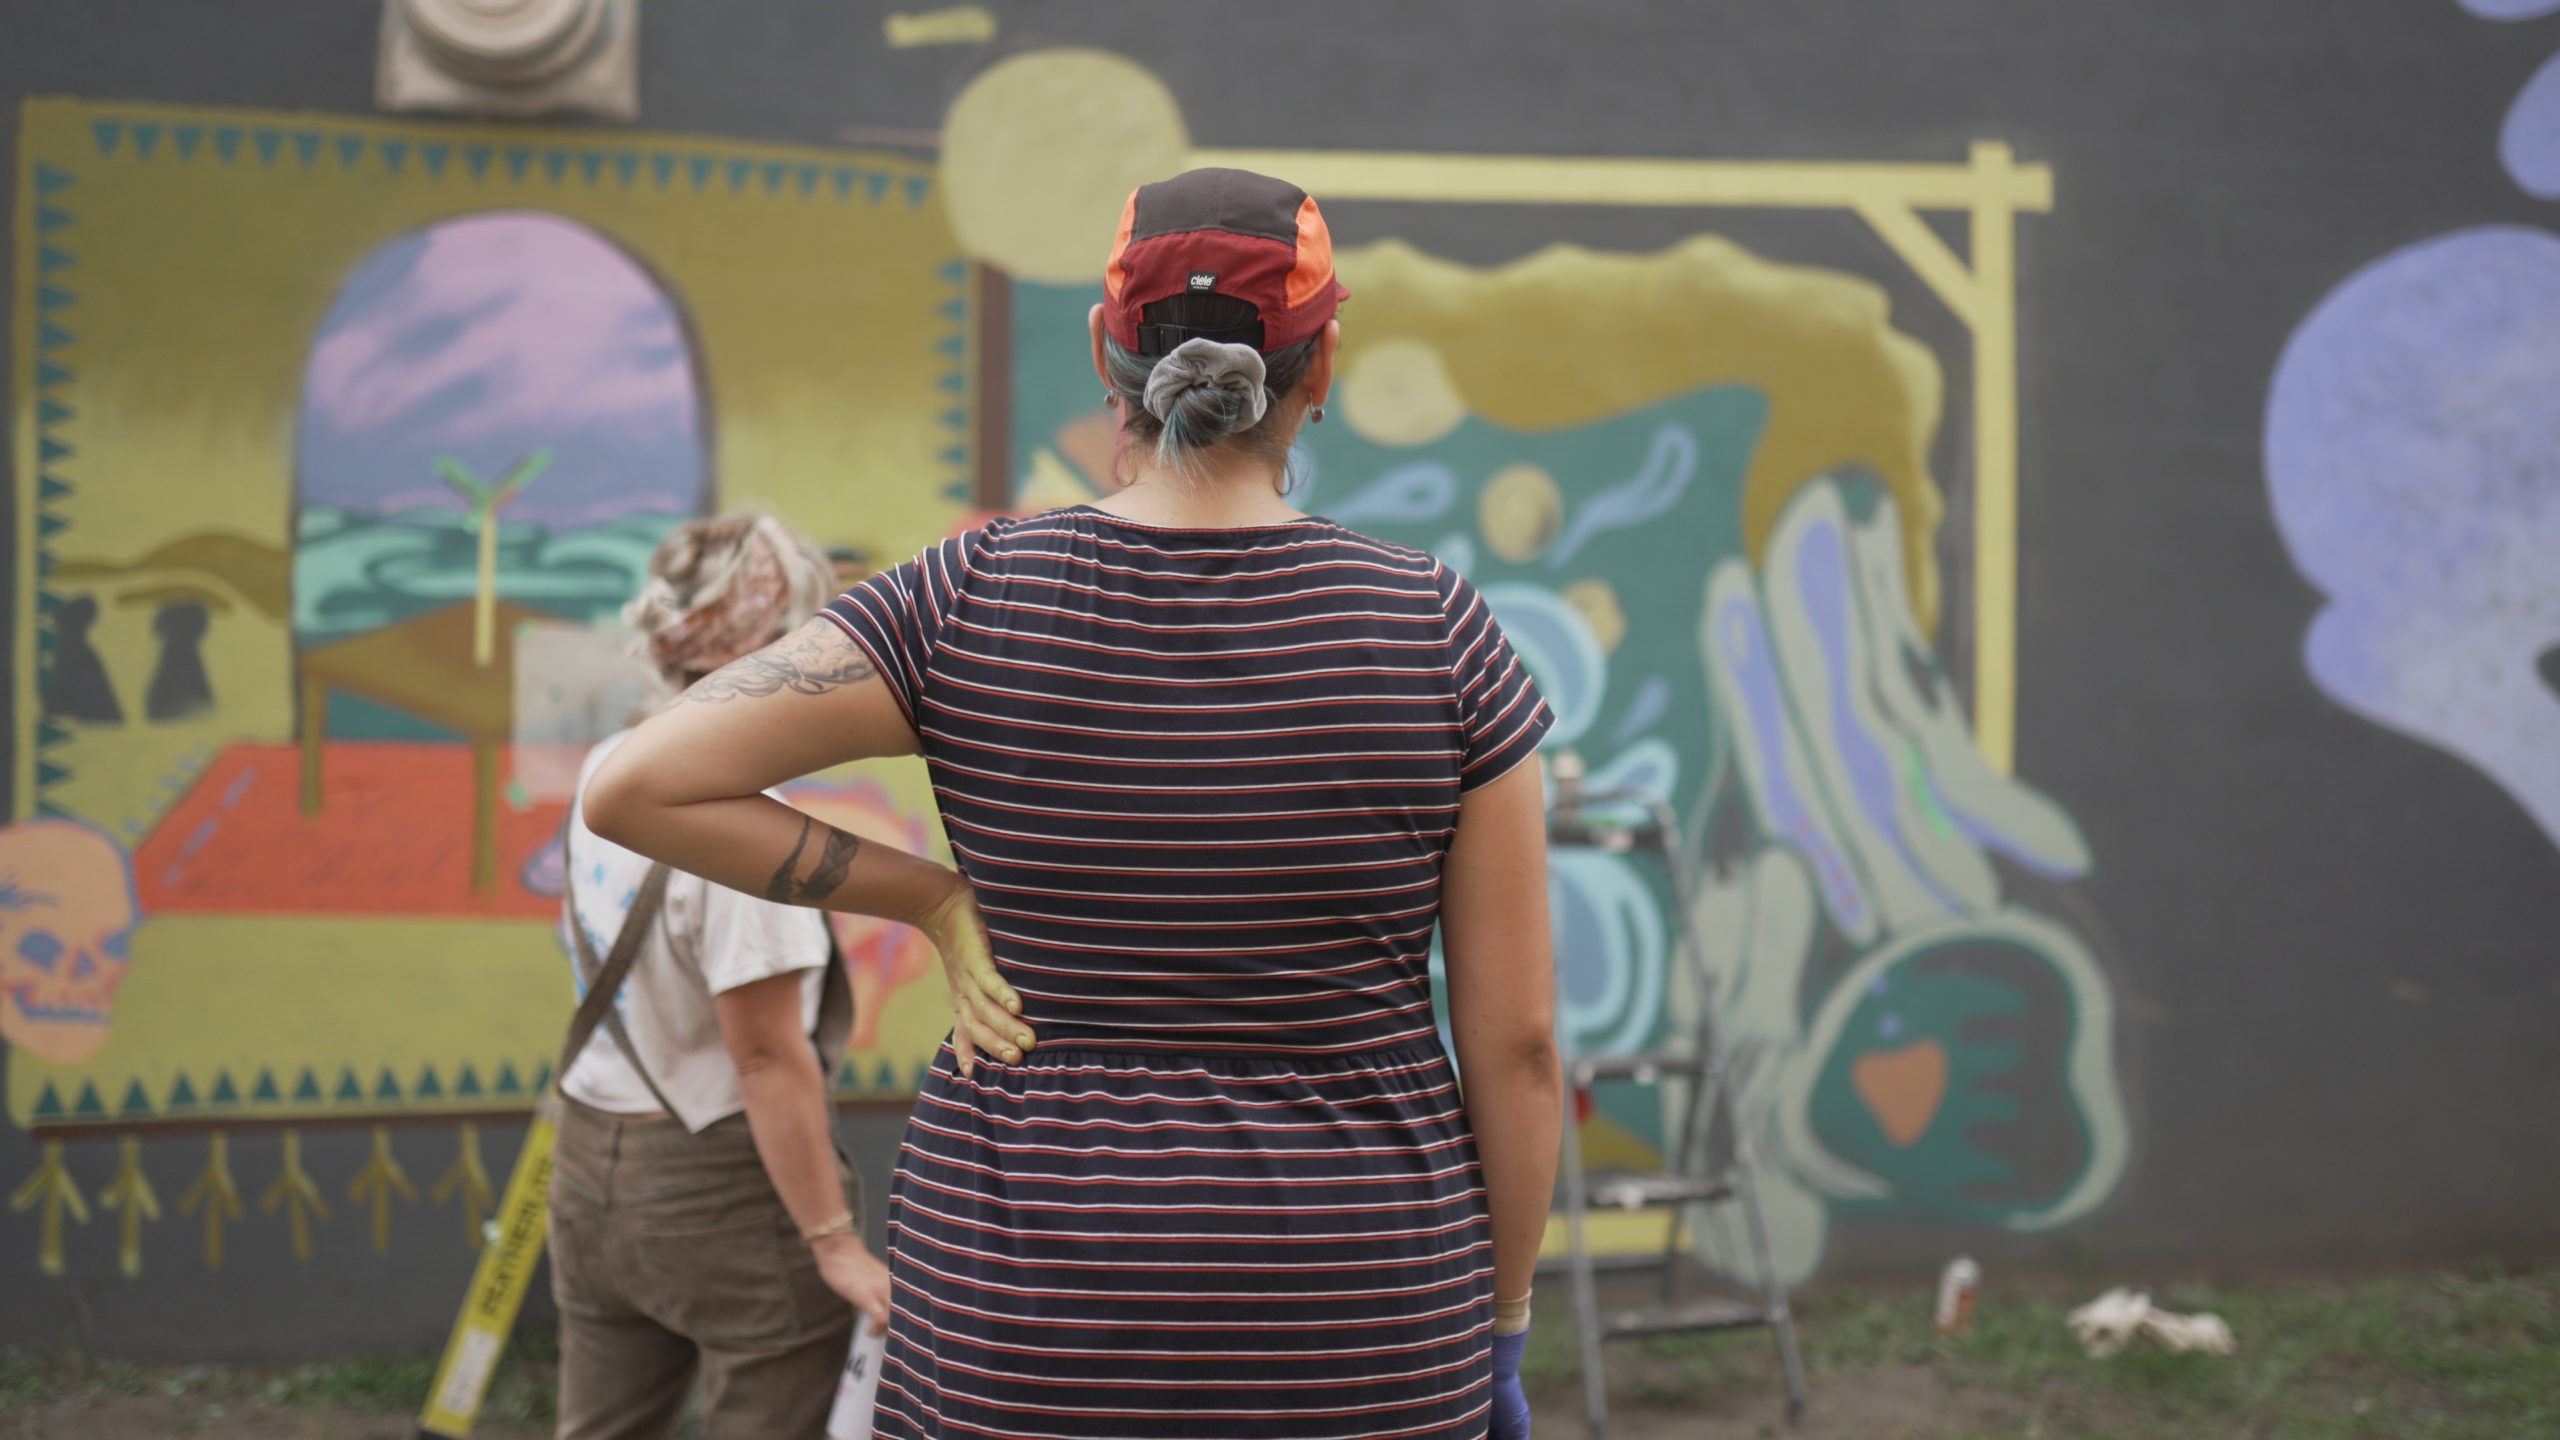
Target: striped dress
[(1203, 781)]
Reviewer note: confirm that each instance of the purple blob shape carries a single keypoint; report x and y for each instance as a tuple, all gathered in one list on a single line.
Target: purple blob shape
[(2529, 143), (2510, 9)]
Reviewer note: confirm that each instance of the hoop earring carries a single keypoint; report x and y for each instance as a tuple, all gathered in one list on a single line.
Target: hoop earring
[(1315, 415)]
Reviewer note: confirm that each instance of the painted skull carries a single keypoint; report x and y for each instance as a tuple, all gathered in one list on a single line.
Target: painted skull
[(67, 915)]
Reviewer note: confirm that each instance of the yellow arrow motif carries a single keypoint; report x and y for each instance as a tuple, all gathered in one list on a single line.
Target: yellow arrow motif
[(52, 1184), (220, 1198), (130, 1192), (471, 1179), (375, 1184), (295, 1185)]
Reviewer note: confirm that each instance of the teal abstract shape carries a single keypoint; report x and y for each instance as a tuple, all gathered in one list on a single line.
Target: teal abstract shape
[(387, 1086), (876, 185), (626, 168), (740, 171), (541, 1076), (52, 412), (809, 180), (47, 732), (49, 774), (49, 179), (51, 525), (49, 449), (954, 310), (52, 297), (775, 172), (136, 1102), (476, 159), (50, 259), (49, 219), (49, 374), (50, 336), (434, 158), (188, 137), (429, 1088), (224, 1092), (349, 1087), (508, 1084), (270, 144), (954, 454), (952, 272), (226, 142), (395, 153), (886, 1080), (918, 186), (519, 160), (845, 176), (952, 383), (701, 168), (146, 138), (467, 1083), (954, 419), (266, 1091), (952, 346), (49, 1103), (182, 1095), (306, 144), (591, 166), (555, 164), (89, 1103), (350, 150), (662, 170), (108, 132)]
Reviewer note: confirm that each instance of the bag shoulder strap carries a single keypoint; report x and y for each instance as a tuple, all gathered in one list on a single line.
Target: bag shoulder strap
[(604, 981)]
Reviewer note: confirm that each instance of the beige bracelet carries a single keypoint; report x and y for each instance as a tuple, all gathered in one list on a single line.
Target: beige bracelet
[(1511, 1316), (841, 1225)]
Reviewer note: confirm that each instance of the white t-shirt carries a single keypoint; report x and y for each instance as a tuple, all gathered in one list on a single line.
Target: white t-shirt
[(708, 939)]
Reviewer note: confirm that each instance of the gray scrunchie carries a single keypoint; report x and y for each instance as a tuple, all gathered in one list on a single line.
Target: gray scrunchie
[(1202, 361)]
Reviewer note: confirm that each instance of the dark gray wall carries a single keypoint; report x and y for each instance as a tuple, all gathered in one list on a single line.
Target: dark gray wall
[(2268, 865)]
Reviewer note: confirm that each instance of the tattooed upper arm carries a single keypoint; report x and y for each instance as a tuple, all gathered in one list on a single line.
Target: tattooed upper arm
[(812, 660)]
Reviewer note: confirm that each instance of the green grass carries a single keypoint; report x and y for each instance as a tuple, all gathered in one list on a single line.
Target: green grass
[(2440, 1357), (524, 1387)]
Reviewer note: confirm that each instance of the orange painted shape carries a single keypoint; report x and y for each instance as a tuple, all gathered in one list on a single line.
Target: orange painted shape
[(1902, 1088)]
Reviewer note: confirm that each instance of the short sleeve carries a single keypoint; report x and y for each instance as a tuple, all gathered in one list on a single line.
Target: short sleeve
[(745, 939), (1500, 712), (897, 615)]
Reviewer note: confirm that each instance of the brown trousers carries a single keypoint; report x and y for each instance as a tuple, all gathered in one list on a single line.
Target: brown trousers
[(671, 1255)]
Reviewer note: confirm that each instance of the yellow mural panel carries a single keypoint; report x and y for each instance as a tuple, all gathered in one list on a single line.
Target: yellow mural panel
[(270, 700)]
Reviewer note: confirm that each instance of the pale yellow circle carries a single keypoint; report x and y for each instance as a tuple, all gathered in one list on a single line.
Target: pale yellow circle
[(1398, 392), (1521, 512), (1040, 152), (1596, 600)]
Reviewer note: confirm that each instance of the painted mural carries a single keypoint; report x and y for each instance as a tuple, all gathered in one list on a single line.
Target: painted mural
[(1695, 487), (2413, 463), (347, 442)]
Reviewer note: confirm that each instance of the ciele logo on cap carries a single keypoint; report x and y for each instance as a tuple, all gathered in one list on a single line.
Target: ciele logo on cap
[(1203, 280)]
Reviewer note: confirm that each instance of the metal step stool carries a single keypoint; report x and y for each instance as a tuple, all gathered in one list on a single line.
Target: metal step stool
[(1629, 822)]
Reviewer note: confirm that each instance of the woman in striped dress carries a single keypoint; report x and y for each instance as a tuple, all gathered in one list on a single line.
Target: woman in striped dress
[(1195, 1163)]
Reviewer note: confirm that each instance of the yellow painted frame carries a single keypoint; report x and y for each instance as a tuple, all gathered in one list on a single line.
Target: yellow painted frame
[(1992, 188)]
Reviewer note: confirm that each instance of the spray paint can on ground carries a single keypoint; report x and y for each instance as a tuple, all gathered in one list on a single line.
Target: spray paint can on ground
[(1957, 1285), (858, 1390)]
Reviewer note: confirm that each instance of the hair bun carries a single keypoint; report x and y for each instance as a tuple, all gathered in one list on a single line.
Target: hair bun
[(1231, 376)]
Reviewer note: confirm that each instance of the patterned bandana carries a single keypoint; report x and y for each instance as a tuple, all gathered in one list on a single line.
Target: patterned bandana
[(751, 596)]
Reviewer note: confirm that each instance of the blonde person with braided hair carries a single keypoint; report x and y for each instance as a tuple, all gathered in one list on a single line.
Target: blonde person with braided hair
[(1216, 772), (704, 1226)]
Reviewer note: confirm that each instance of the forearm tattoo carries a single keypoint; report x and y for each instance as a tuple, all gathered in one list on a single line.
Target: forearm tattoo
[(809, 661), (826, 873)]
